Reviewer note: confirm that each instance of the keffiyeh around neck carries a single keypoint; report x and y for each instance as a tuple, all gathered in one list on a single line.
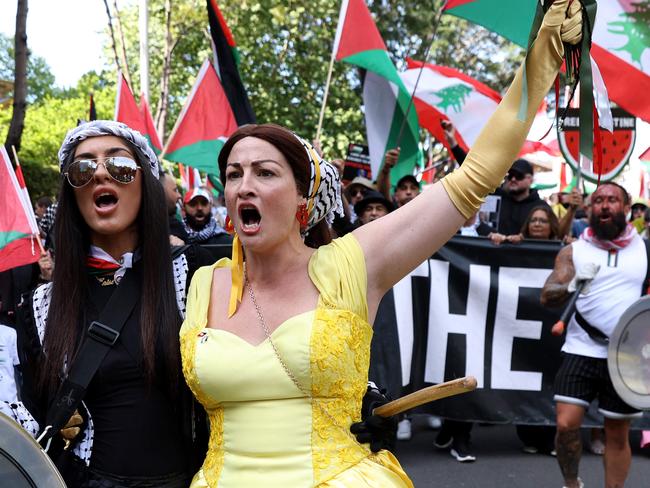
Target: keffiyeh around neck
[(617, 244), (212, 228)]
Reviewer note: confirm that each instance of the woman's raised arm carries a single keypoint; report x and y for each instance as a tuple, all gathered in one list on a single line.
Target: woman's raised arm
[(395, 244)]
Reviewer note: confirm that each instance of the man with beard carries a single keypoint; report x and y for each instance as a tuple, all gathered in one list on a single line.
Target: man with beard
[(610, 260), (200, 225), (517, 198)]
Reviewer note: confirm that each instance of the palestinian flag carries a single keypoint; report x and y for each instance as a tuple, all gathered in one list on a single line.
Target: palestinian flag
[(620, 41), (203, 126), (18, 229), (92, 111), (150, 132), (447, 94), (385, 98), (227, 62), (126, 108)]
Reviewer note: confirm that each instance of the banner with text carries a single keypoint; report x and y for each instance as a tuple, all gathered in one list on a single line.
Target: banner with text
[(473, 309)]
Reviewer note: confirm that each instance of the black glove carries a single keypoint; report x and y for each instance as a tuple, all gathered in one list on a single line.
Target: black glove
[(377, 431)]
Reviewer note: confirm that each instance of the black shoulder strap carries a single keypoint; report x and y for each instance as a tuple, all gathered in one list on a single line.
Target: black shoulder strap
[(646, 282), (100, 336)]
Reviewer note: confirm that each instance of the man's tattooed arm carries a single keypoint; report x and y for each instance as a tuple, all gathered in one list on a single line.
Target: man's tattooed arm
[(555, 290)]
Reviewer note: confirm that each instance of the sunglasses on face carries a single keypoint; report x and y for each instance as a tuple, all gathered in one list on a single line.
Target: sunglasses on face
[(121, 169), (516, 176), (357, 191)]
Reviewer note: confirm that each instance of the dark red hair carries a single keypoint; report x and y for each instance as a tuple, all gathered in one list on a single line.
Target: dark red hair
[(294, 152)]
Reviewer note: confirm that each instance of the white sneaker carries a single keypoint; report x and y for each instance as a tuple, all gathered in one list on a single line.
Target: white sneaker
[(434, 422), (404, 430), (580, 484)]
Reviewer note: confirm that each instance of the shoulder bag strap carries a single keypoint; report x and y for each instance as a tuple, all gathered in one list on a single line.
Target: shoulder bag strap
[(100, 336)]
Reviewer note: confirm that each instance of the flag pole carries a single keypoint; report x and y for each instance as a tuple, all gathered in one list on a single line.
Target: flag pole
[(417, 81), (327, 88), (36, 236)]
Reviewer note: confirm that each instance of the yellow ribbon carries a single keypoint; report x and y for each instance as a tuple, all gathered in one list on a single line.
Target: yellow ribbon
[(315, 159), (237, 276)]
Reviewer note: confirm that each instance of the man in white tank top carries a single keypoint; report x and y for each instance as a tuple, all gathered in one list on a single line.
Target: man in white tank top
[(610, 258)]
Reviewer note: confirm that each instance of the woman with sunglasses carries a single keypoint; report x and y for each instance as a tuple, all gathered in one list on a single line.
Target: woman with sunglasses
[(276, 341), (138, 425)]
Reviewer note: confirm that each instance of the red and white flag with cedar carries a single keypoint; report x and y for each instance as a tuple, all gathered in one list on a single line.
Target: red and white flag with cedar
[(18, 229), (620, 41), (204, 125)]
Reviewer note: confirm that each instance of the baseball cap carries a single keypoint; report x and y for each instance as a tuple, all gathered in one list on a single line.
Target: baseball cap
[(373, 197), (195, 193), (522, 166), (411, 178)]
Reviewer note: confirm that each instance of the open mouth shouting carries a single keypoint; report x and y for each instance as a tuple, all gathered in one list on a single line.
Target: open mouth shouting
[(249, 218), (105, 200)]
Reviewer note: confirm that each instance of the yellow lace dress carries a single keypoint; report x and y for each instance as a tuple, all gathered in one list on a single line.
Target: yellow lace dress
[(264, 432)]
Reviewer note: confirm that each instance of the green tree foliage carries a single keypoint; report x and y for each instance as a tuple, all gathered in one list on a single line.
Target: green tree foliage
[(46, 124), (40, 80)]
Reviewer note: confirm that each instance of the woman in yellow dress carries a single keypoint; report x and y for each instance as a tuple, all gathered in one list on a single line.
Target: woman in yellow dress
[(280, 362)]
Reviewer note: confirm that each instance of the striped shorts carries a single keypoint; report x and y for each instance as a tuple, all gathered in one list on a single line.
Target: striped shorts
[(582, 379)]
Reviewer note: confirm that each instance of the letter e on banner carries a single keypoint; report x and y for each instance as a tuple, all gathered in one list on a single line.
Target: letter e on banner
[(507, 327)]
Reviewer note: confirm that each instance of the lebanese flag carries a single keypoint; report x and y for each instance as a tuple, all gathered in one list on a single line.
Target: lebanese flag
[(385, 97), (18, 230), (150, 132), (447, 94), (227, 64), (619, 48), (204, 125)]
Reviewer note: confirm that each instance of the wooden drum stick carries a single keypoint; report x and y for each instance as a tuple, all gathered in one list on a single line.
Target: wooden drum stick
[(426, 395)]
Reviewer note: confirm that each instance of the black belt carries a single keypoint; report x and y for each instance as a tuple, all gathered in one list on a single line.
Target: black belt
[(596, 334)]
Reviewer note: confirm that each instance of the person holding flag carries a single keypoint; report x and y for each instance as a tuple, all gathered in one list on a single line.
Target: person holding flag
[(276, 341)]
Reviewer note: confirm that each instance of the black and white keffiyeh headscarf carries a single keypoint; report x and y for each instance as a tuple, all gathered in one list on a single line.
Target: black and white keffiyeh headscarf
[(324, 194), (98, 128)]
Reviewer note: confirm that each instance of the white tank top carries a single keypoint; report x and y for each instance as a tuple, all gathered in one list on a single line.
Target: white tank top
[(616, 286)]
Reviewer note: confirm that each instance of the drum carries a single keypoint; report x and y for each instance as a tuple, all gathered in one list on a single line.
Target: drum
[(628, 355), (23, 463)]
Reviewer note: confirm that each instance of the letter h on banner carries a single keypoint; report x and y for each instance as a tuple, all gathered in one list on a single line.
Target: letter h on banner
[(442, 322)]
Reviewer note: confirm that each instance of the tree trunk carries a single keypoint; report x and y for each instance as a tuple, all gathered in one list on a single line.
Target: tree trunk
[(163, 100), (20, 79), (113, 43), (120, 32)]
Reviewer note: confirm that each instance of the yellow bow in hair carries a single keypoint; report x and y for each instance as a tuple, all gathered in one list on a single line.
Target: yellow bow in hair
[(237, 276)]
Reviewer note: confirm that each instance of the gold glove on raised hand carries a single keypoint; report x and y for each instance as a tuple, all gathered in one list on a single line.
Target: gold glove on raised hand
[(72, 428), (502, 137)]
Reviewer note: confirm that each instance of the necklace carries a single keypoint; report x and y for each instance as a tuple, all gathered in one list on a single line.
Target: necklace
[(291, 376), (262, 322)]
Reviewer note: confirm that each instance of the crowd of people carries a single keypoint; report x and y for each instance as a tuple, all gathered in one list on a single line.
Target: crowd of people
[(145, 363)]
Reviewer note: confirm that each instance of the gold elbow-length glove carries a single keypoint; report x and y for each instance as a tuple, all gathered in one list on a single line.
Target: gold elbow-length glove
[(503, 136)]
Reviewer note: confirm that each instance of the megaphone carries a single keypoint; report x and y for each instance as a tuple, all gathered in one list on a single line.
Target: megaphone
[(628, 355)]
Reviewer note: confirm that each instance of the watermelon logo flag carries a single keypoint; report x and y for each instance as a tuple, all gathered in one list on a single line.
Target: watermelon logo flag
[(621, 41), (385, 97), (447, 94), (18, 230), (203, 126), (150, 132), (227, 62)]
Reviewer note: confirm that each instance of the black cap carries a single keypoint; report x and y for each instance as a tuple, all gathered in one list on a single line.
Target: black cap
[(408, 178), (373, 196), (522, 166)]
